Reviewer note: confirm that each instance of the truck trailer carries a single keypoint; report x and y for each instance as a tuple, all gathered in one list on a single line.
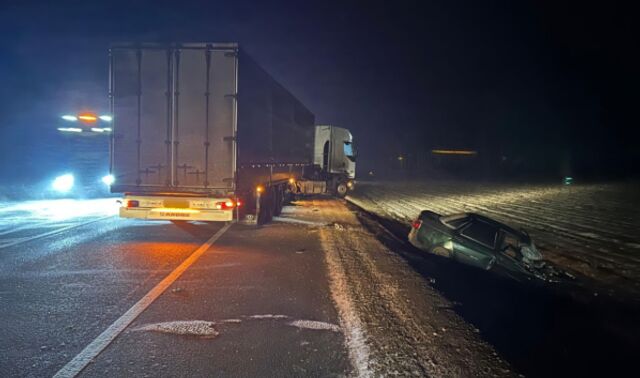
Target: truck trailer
[(202, 132)]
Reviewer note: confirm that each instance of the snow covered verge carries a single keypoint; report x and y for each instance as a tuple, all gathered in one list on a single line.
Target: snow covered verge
[(593, 230), (394, 322)]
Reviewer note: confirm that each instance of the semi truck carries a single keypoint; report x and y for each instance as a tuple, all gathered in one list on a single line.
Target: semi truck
[(201, 132)]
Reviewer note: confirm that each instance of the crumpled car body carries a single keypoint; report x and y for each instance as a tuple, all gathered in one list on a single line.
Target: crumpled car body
[(478, 241)]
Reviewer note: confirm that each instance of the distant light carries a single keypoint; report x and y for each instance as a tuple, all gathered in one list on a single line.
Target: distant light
[(70, 129), (63, 183), (292, 180), (68, 117), (568, 180), (88, 117), (97, 130), (106, 128), (106, 118), (400, 158), (454, 152), (108, 180)]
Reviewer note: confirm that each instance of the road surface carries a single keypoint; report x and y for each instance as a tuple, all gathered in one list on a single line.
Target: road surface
[(324, 290), (84, 293)]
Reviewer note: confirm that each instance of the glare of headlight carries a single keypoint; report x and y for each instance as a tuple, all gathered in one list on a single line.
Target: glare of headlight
[(97, 130), (68, 117), (63, 183), (70, 129), (106, 118), (108, 180)]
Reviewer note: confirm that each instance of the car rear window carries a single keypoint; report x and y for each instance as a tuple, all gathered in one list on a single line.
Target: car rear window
[(481, 232)]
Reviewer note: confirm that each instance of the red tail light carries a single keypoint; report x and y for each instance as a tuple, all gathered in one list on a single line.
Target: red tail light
[(226, 205), (133, 203), (416, 224)]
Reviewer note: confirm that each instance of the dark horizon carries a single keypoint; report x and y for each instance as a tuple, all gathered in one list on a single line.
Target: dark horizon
[(538, 89)]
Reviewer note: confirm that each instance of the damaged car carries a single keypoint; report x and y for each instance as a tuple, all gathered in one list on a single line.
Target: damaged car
[(479, 241)]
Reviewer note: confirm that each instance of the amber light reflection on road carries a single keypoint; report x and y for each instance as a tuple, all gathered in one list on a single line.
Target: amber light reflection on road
[(143, 253)]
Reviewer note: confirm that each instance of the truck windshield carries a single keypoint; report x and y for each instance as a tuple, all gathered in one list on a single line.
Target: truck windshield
[(349, 152)]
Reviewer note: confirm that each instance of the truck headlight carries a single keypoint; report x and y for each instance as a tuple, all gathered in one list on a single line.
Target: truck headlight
[(108, 180), (63, 183)]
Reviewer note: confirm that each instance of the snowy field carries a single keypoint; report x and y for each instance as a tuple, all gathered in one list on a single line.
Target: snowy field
[(592, 229)]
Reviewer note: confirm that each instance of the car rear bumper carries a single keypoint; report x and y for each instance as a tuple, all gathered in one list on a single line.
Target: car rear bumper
[(413, 239)]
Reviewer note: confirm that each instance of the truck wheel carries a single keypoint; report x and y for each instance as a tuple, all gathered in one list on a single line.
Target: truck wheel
[(279, 198), (341, 189), (266, 207)]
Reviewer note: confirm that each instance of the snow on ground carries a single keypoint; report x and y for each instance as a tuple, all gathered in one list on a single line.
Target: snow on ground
[(592, 229), (393, 323)]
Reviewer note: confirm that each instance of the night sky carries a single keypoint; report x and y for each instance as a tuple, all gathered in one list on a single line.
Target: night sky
[(539, 88)]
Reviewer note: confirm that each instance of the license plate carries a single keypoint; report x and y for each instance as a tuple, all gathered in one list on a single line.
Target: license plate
[(176, 204), (171, 214)]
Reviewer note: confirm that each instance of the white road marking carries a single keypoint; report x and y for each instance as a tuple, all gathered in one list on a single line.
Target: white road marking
[(91, 351), (17, 241), (314, 325)]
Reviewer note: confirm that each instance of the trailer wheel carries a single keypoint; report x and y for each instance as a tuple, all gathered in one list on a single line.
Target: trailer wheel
[(266, 207), (278, 198), (341, 189)]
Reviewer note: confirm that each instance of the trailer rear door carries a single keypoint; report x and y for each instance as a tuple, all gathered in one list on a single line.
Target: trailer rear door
[(174, 117)]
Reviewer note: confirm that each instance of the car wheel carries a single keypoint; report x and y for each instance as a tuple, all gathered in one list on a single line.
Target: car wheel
[(441, 251)]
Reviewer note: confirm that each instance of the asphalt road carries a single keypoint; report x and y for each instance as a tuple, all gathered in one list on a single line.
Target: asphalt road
[(255, 296), (324, 290)]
